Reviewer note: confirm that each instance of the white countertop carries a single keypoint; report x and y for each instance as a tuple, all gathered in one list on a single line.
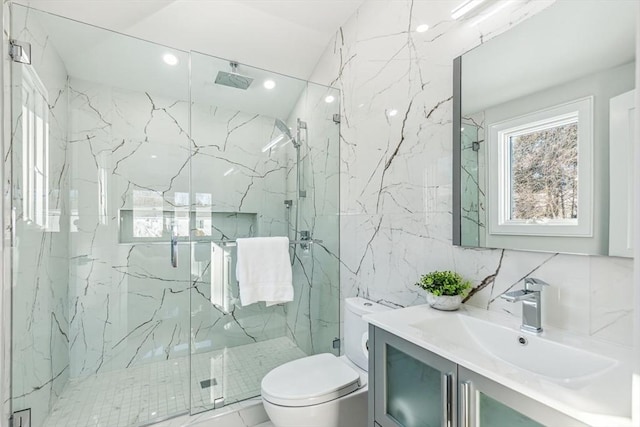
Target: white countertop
[(603, 400)]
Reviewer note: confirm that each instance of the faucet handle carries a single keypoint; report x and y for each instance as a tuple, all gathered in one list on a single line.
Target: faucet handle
[(533, 284)]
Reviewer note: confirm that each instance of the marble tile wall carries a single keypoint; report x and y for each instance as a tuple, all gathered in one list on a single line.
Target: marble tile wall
[(230, 165), (129, 306), (396, 173), (39, 257)]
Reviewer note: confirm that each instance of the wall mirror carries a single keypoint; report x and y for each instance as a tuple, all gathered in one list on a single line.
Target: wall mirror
[(543, 132)]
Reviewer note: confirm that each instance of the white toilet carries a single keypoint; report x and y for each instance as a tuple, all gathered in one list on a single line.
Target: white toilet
[(324, 390)]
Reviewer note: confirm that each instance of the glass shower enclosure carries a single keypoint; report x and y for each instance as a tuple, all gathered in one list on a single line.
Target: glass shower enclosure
[(135, 167)]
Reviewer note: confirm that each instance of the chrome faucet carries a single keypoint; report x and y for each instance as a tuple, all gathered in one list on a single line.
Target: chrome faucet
[(530, 297)]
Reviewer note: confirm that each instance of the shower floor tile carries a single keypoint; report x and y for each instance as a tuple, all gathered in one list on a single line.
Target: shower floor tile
[(153, 391)]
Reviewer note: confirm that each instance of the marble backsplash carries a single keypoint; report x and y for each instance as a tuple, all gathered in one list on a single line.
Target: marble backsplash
[(396, 173)]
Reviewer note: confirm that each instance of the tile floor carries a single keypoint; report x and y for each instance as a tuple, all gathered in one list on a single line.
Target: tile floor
[(153, 391)]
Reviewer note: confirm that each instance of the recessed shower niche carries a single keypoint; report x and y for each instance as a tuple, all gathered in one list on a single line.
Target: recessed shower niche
[(158, 225)]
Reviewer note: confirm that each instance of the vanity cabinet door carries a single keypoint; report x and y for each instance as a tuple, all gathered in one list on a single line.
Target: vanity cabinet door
[(412, 387), (485, 403)]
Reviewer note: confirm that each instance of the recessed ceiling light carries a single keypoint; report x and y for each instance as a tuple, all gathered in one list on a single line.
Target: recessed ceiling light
[(170, 59), (329, 99), (392, 113), (269, 84), (153, 156), (422, 28)]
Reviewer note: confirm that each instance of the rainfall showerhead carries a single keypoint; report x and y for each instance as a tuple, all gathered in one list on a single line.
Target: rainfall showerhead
[(233, 79)]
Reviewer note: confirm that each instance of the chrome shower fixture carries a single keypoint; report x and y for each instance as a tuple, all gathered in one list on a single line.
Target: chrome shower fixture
[(282, 127), (233, 79)]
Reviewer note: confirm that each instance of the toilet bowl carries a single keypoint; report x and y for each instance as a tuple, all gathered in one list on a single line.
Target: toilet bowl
[(324, 390)]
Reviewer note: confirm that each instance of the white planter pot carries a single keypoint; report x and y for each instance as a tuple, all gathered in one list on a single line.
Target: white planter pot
[(444, 302)]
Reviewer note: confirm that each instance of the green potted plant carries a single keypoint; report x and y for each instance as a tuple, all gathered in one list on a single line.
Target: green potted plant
[(445, 289)]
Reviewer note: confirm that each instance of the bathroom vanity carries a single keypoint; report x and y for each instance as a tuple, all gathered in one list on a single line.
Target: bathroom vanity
[(476, 368)]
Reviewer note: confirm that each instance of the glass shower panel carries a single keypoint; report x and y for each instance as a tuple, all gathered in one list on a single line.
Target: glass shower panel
[(251, 176), (101, 200), (313, 319)]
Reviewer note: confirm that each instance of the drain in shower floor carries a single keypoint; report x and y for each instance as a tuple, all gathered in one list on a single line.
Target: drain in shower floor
[(208, 383)]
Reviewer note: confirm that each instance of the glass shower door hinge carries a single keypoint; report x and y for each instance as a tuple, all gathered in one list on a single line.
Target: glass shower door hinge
[(20, 51), (336, 118), (336, 343), (218, 403), (21, 418)]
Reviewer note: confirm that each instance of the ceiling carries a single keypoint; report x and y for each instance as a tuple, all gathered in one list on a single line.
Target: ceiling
[(285, 36), (214, 27)]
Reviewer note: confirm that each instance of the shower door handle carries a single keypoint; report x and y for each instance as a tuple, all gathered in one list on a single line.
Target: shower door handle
[(174, 250)]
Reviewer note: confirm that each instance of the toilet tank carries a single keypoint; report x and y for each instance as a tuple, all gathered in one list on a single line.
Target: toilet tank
[(356, 330)]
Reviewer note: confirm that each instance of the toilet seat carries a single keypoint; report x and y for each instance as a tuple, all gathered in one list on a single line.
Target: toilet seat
[(309, 381)]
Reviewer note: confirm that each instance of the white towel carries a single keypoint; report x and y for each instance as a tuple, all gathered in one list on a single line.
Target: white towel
[(263, 270)]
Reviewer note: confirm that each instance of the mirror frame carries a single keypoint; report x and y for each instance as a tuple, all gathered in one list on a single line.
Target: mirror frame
[(457, 152), (597, 246)]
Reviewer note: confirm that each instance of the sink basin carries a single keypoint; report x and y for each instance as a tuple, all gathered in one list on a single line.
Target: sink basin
[(533, 353)]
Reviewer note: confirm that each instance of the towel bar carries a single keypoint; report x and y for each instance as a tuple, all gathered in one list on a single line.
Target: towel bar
[(291, 242)]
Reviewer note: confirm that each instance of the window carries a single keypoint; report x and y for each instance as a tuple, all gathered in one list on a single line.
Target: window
[(35, 150), (540, 172)]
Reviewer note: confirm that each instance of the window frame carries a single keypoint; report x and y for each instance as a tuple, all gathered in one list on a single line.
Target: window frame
[(499, 171), (35, 150)]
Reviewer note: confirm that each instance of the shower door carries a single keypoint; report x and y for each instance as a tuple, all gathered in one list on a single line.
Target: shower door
[(101, 253), (264, 163), (131, 179)]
